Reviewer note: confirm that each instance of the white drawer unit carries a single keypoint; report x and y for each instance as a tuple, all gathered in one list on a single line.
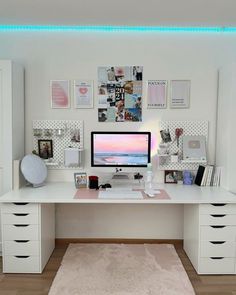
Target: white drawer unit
[(28, 235), (210, 237)]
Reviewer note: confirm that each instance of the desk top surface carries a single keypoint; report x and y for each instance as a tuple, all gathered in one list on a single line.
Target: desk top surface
[(65, 192)]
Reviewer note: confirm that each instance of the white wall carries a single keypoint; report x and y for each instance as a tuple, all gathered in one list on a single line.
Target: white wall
[(168, 56)]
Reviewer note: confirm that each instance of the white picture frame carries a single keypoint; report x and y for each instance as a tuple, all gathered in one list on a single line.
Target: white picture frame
[(83, 94), (60, 94), (194, 148), (180, 94), (157, 94)]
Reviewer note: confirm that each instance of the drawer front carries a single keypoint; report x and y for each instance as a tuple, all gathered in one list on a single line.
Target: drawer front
[(21, 264), (217, 208), (20, 208), (218, 219), (216, 266), (217, 249), (13, 232), (25, 247), (217, 233), (20, 218)]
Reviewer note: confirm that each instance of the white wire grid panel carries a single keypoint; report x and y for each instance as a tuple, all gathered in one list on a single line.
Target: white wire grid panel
[(189, 128), (61, 133)]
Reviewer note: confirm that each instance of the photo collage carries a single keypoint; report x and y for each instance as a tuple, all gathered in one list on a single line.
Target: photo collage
[(120, 94)]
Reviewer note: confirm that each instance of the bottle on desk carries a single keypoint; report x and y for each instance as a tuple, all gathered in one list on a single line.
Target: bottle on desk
[(148, 179)]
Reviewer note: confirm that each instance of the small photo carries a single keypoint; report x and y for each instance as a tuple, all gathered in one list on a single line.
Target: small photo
[(165, 136), (133, 115), (102, 115), (45, 148), (80, 179), (171, 176), (137, 73), (75, 135)]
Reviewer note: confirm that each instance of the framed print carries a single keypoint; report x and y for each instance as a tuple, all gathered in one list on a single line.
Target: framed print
[(80, 179), (179, 94), (170, 176), (83, 94), (194, 148), (45, 148), (60, 94), (156, 94)]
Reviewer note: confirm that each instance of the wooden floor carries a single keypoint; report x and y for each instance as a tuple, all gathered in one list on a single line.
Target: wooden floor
[(29, 284)]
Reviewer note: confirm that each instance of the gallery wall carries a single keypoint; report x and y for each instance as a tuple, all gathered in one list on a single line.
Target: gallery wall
[(77, 55)]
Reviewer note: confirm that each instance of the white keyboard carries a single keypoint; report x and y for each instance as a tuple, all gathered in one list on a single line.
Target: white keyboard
[(117, 194)]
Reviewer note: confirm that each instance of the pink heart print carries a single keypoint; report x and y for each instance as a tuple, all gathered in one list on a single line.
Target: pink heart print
[(83, 90)]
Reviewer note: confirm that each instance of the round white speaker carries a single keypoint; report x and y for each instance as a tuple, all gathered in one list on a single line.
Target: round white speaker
[(34, 170)]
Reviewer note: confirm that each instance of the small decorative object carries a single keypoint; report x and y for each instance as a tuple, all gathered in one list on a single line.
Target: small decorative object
[(59, 132), (60, 98), (187, 178), (171, 176), (179, 177), (165, 136), (45, 148), (37, 132), (178, 133), (48, 132), (174, 158), (80, 179)]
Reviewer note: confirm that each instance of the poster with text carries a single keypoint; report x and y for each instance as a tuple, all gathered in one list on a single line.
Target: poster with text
[(120, 93), (180, 94), (156, 94)]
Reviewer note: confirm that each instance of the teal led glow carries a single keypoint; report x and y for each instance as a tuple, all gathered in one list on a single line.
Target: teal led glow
[(117, 29)]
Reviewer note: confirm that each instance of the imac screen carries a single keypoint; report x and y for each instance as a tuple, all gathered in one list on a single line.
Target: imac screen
[(120, 149)]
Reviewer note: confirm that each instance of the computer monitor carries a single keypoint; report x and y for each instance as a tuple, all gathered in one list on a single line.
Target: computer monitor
[(120, 149)]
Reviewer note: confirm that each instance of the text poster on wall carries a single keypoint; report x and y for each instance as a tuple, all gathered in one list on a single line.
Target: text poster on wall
[(156, 96), (179, 94), (120, 94)]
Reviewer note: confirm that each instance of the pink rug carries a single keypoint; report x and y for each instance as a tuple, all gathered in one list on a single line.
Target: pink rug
[(118, 269)]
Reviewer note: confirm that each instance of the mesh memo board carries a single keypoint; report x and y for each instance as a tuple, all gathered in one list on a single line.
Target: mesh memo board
[(60, 142), (189, 128)]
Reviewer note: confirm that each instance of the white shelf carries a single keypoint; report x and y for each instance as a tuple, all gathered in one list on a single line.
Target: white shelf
[(194, 161)]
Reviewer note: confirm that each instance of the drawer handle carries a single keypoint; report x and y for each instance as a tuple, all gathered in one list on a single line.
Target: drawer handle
[(22, 256), (21, 204), (217, 242), (218, 205), (217, 226), (21, 225), (217, 258), (218, 215), (20, 214), (21, 241)]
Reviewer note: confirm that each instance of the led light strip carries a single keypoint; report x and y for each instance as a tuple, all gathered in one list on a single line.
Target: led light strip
[(118, 28)]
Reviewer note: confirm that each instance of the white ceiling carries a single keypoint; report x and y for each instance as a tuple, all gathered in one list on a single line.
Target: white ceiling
[(119, 12)]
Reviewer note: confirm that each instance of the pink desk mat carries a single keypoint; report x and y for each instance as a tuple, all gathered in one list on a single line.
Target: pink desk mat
[(85, 193)]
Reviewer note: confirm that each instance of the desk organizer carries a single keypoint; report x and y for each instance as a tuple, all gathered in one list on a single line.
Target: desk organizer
[(167, 161), (63, 133)]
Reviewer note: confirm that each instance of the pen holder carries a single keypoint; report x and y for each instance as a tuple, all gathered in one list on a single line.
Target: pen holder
[(93, 182)]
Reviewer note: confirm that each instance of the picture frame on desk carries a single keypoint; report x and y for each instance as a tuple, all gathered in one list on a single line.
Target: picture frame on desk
[(45, 148), (170, 176), (80, 179)]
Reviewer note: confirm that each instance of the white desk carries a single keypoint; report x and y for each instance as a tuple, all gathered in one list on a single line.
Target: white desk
[(28, 224)]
